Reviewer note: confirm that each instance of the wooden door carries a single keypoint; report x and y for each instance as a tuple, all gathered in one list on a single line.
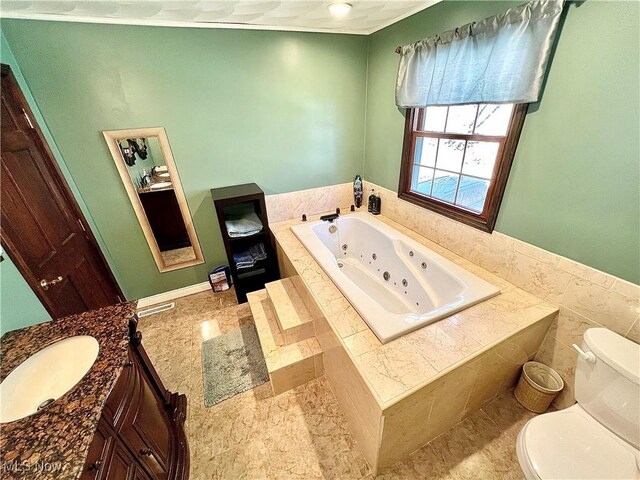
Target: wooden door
[(41, 225)]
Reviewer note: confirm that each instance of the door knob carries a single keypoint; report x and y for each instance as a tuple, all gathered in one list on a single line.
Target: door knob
[(46, 284)]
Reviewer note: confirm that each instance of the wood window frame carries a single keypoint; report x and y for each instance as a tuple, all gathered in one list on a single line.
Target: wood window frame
[(486, 219)]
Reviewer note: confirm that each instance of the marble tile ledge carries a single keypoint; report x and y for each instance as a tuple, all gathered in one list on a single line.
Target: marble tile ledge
[(403, 366)]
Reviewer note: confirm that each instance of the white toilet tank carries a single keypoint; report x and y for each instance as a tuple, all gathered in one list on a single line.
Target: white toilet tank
[(609, 389)]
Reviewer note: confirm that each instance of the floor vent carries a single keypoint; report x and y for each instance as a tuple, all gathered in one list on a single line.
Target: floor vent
[(160, 308)]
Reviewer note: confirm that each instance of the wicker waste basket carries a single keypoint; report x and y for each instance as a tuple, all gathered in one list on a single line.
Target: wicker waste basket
[(538, 386)]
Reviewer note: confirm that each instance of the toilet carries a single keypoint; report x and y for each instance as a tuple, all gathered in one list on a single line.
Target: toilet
[(599, 436)]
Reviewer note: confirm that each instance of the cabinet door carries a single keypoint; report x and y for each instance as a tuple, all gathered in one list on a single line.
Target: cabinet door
[(98, 456), (121, 465), (120, 398), (140, 474), (147, 429)]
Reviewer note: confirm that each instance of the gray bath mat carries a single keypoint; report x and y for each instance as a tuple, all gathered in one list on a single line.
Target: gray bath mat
[(232, 363)]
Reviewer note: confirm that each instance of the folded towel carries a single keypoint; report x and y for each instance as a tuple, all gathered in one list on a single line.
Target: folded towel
[(244, 266), (243, 260), (245, 234), (258, 252), (249, 258), (247, 225)]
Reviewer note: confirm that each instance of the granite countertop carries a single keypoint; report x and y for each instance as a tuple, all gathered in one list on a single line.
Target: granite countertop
[(395, 369), (154, 190), (54, 443)]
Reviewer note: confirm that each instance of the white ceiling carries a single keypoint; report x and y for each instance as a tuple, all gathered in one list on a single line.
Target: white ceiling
[(366, 16)]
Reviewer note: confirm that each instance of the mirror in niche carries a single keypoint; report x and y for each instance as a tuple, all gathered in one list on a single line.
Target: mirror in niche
[(149, 174)]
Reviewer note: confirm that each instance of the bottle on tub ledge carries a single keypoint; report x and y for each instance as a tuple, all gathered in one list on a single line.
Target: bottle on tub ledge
[(375, 203)]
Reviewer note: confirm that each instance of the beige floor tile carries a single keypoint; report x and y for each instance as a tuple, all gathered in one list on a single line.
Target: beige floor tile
[(427, 464), (508, 414), (247, 461), (313, 445), (399, 471), (477, 448)]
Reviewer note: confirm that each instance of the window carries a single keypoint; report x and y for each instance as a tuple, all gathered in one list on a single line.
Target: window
[(456, 159)]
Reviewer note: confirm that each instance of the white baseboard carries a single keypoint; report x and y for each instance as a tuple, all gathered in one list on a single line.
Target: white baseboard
[(173, 294)]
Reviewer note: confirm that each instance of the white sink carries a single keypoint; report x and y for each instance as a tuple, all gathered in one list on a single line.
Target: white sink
[(45, 376), (159, 185)]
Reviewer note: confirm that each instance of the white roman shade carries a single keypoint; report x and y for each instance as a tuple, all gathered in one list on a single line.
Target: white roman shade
[(501, 59)]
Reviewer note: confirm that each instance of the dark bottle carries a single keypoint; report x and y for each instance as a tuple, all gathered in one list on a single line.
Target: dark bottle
[(377, 205), (357, 191), (370, 202)]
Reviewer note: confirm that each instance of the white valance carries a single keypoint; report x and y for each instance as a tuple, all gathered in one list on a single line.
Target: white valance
[(501, 59)]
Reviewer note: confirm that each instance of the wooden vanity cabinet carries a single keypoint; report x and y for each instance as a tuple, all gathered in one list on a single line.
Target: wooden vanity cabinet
[(165, 218), (140, 435)]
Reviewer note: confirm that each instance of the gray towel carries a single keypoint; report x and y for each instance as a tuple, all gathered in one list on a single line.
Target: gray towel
[(245, 226), (258, 252)]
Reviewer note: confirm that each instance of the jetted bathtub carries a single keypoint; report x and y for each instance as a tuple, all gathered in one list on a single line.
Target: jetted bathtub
[(396, 284)]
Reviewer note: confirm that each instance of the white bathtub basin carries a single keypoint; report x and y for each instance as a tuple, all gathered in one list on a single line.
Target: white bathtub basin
[(396, 284), (45, 376)]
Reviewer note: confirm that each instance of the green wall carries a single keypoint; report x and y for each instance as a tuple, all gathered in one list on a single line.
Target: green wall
[(284, 110), (574, 187), (19, 306)]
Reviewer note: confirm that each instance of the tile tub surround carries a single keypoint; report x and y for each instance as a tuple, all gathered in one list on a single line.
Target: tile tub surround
[(60, 435), (586, 297), (285, 206), (399, 396)]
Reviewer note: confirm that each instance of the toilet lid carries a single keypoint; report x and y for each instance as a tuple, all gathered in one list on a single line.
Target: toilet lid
[(570, 444)]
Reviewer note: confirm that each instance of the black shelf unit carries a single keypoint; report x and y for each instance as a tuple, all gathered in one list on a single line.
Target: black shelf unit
[(230, 202)]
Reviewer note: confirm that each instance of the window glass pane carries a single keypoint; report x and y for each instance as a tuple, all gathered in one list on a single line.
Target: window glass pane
[(425, 151), (435, 118), (472, 193), (480, 158), (444, 186), (493, 119), (461, 118), (421, 180), (450, 154)]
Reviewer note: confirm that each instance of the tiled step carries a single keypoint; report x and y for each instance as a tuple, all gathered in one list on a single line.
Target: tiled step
[(289, 365), (293, 318)]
